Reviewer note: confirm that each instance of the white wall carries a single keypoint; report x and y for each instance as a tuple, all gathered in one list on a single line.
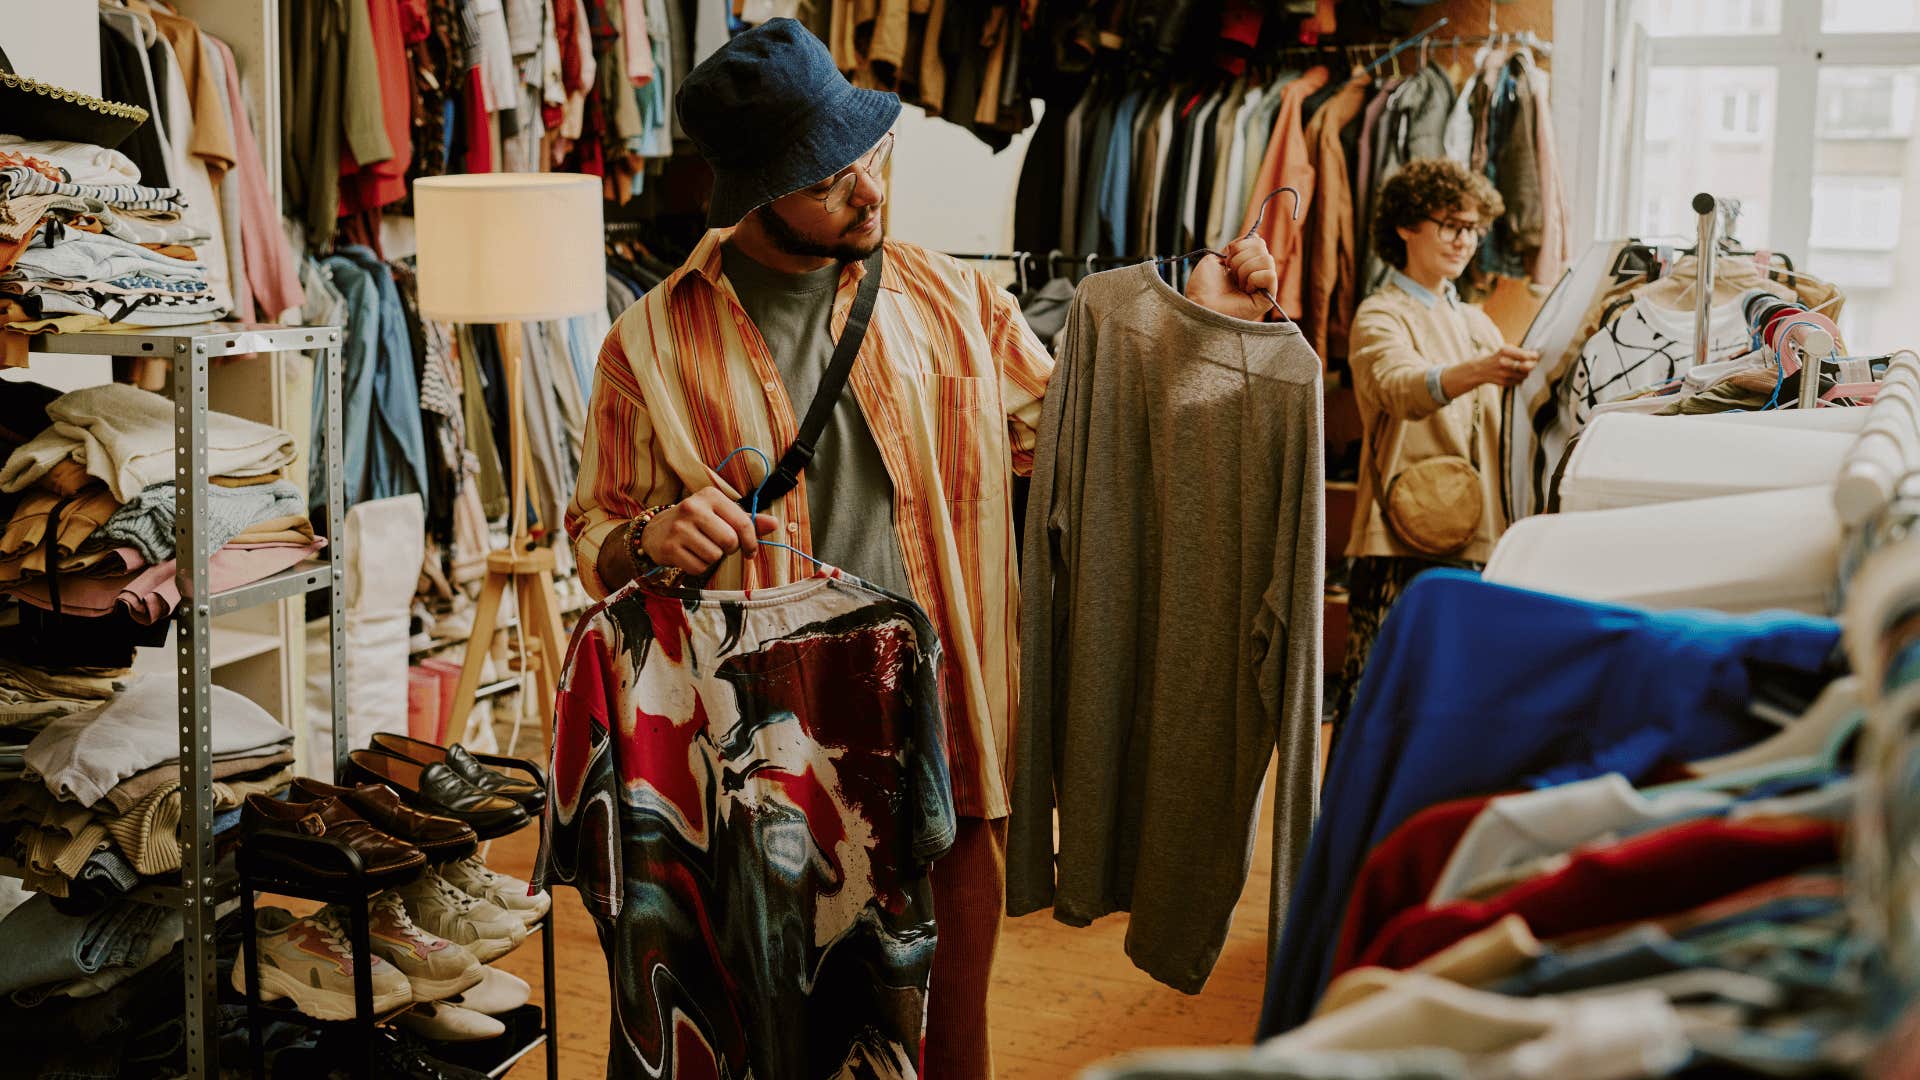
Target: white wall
[(950, 192), (55, 41)]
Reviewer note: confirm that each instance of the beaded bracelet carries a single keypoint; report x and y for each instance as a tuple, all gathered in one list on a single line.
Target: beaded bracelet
[(643, 563)]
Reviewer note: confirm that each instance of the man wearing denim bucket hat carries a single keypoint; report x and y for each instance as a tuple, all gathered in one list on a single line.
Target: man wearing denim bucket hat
[(908, 487)]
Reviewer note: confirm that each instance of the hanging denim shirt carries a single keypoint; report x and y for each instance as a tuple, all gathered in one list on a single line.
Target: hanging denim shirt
[(399, 459), (383, 442), (359, 363)]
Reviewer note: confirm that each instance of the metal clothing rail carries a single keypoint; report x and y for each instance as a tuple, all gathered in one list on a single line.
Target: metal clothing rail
[(1887, 451)]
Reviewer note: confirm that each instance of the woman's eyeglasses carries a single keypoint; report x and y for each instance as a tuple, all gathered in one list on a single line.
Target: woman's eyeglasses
[(835, 200), (1451, 231)]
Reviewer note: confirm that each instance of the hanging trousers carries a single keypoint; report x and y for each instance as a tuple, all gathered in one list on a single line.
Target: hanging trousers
[(969, 902)]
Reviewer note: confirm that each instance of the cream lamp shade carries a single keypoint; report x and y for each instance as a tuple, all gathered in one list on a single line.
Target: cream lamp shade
[(509, 247)]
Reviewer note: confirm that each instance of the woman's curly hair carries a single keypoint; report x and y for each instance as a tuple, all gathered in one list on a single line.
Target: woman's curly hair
[(1427, 188)]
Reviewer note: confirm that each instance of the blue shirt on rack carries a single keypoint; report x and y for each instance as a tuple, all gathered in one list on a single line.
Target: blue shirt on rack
[(1475, 688)]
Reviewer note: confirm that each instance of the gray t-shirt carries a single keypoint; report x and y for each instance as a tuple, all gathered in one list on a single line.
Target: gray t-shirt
[(849, 493)]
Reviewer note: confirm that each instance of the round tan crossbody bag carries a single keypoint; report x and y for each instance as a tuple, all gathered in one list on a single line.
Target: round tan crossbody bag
[(1435, 506)]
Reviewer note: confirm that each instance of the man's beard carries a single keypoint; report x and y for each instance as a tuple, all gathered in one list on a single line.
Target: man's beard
[(791, 241)]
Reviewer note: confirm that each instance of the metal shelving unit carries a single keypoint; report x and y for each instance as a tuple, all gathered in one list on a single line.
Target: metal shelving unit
[(190, 349)]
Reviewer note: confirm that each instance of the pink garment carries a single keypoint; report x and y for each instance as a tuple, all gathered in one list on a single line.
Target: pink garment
[(639, 47), (271, 271), (1556, 241), (149, 593)]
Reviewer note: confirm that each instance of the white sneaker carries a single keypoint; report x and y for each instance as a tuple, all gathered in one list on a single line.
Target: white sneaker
[(438, 907), (436, 967), (472, 876), (310, 961), (442, 1022), (498, 993)]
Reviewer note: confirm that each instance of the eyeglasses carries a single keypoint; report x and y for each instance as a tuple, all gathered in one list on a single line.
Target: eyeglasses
[(1451, 231), (835, 200)]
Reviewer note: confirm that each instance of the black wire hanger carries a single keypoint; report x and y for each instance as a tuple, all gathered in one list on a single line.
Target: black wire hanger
[(1257, 219)]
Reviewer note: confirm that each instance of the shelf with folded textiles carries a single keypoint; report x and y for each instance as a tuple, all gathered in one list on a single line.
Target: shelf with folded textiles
[(209, 339)]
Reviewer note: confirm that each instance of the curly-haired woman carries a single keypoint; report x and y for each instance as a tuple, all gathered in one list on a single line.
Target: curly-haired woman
[(1427, 373)]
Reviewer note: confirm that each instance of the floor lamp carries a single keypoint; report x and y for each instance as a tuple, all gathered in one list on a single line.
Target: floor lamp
[(508, 248)]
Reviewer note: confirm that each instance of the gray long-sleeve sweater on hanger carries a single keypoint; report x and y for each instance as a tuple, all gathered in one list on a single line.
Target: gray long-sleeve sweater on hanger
[(1172, 581)]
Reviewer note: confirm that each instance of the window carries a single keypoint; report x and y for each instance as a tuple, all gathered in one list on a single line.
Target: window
[(1712, 18), (1693, 108), (1794, 108), (1740, 115), (1866, 103), (1856, 213), (1869, 16), (1664, 102)]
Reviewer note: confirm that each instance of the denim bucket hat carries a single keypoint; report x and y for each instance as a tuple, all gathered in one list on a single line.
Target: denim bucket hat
[(772, 114)]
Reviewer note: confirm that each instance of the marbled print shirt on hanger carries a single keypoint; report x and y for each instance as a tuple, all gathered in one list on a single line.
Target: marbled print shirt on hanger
[(747, 790)]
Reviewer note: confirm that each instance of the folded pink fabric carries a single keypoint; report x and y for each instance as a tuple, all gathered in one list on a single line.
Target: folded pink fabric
[(150, 593)]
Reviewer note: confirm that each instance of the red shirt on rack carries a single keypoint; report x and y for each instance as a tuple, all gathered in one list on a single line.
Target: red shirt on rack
[(1660, 873), (370, 187)]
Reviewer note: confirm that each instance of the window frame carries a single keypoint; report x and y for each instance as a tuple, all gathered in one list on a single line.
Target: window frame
[(1798, 52)]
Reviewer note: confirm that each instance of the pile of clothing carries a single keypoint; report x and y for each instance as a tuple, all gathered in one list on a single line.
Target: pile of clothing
[(97, 805), (66, 952), (1575, 840), (84, 245), (1617, 333), (90, 508)]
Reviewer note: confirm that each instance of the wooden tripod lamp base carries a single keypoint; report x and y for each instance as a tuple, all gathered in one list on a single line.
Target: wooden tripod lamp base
[(524, 568), (510, 248)]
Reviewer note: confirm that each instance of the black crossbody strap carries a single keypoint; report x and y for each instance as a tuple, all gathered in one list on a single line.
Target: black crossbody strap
[(786, 472)]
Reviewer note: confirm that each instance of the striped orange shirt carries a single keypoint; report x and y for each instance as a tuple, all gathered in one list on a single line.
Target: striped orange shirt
[(950, 381)]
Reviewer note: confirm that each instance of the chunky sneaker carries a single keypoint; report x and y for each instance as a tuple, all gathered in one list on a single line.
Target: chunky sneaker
[(498, 994), (438, 907), (441, 1022), (310, 961), (472, 876), (436, 967)]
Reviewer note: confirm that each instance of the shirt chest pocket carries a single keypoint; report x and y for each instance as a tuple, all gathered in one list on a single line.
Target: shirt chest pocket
[(968, 436)]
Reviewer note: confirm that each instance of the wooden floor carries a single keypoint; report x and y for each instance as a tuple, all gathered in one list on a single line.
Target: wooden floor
[(1063, 998)]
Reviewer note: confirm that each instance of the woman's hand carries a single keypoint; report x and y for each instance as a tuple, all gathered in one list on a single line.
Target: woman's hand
[(1239, 285), (1505, 366), (702, 529)]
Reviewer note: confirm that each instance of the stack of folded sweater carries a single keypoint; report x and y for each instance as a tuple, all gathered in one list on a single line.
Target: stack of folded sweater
[(91, 530), (84, 245), (99, 803)]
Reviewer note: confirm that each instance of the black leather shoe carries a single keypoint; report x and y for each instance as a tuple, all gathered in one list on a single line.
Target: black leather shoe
[(469, 768), (437, 789)]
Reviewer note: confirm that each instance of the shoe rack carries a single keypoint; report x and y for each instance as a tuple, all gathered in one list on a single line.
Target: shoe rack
[(339, 878), (188, 352)]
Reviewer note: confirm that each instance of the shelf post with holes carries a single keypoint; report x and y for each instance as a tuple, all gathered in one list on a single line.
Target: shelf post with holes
[(190, 350)]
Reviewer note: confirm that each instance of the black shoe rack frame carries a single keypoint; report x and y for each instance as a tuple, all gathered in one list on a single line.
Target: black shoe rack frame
[(337, 875)]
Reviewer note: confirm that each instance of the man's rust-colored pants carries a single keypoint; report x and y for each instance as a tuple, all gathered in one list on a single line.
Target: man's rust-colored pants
[(969, 900)]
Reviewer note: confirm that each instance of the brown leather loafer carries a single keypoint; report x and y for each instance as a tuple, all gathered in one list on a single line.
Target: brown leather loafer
[(387, 861), (441, 839)]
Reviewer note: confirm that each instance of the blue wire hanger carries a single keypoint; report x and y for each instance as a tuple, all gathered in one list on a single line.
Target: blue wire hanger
[(753, 506)]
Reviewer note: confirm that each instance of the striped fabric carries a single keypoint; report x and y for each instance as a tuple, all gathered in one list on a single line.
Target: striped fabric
[(16, 182), (950, 380)]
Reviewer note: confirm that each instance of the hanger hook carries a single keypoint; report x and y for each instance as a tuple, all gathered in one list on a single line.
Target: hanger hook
[(1268, 201)]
